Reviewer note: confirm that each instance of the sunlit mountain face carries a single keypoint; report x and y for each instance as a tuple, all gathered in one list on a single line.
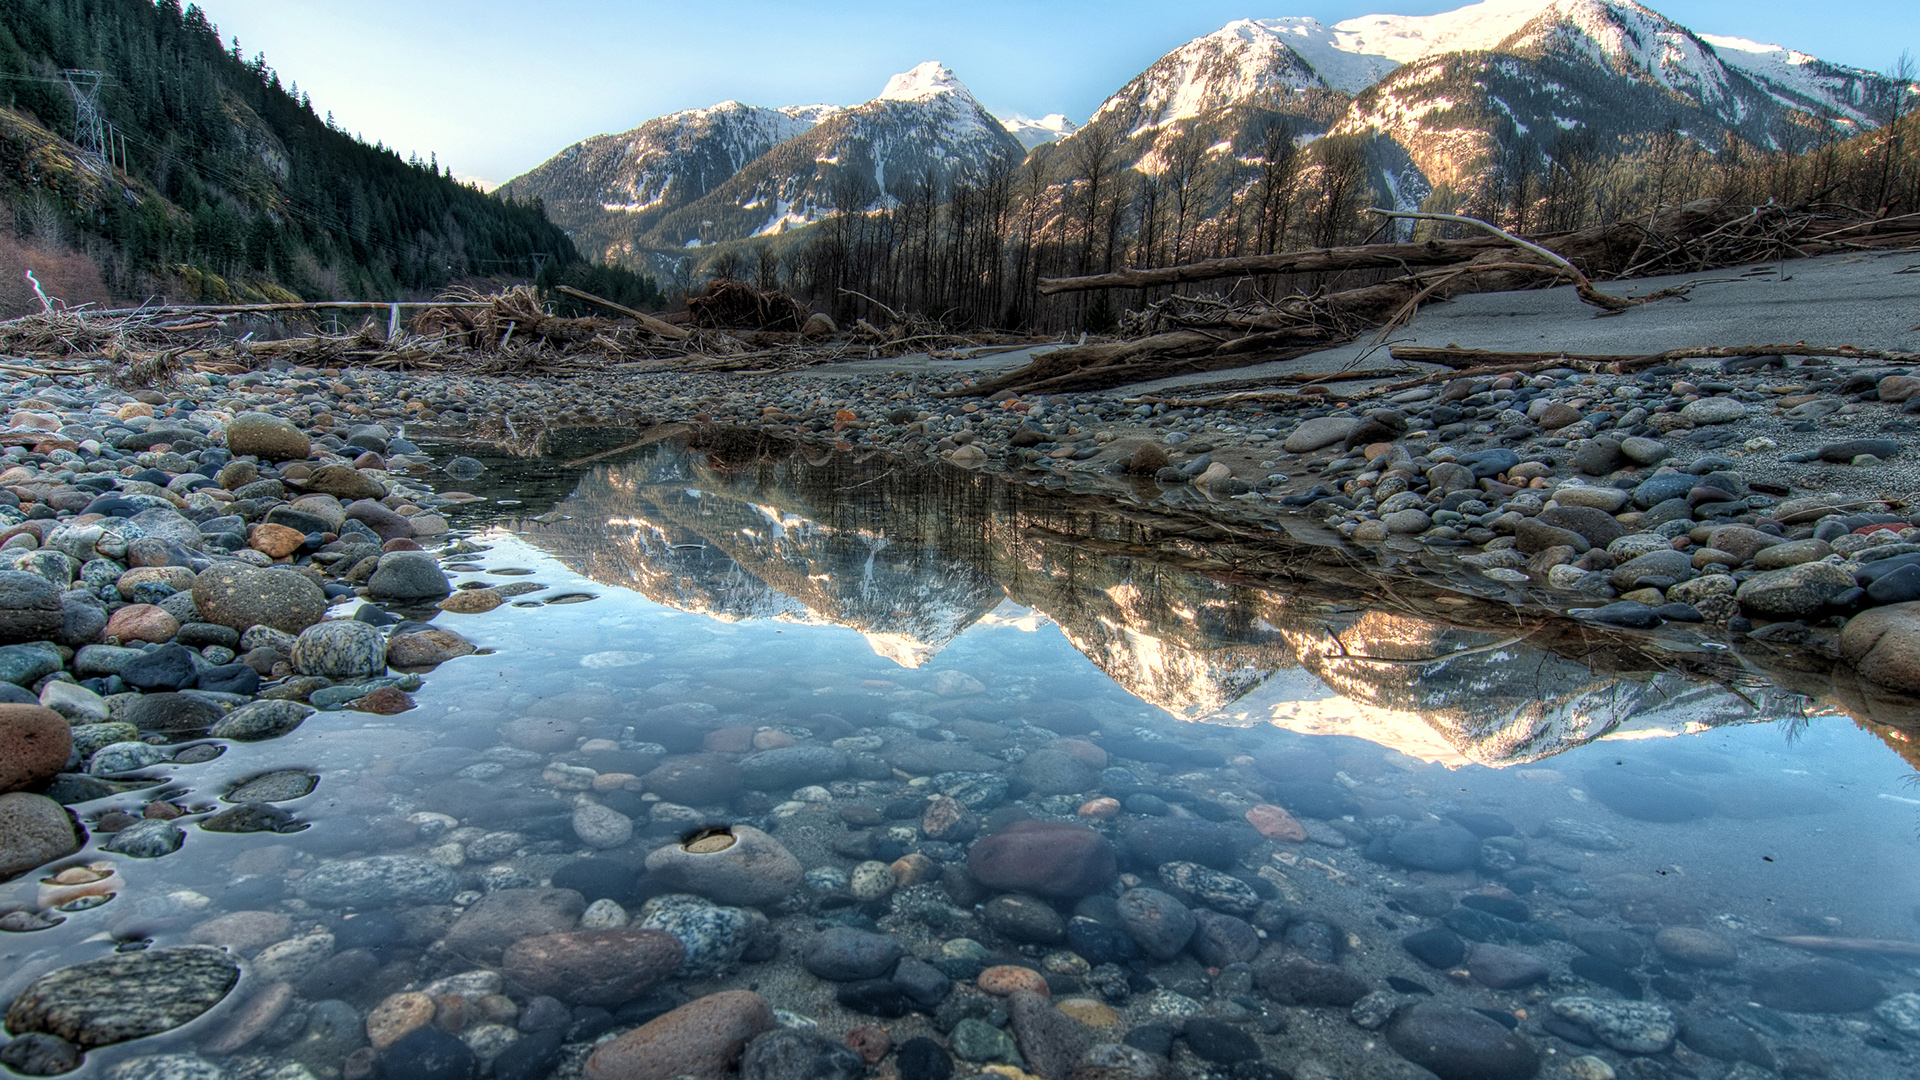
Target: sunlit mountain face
[(912, 556)]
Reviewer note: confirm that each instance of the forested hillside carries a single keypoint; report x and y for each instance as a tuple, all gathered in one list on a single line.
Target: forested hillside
[(220, 179)]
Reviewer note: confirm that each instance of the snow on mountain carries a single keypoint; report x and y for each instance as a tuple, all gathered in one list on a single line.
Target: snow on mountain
[(924, 83), (1800, 81), (925, 126), (1242, 61), (610, 189), (1031, 133)]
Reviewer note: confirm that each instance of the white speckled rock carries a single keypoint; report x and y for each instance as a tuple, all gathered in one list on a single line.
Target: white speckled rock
[(341, 649)]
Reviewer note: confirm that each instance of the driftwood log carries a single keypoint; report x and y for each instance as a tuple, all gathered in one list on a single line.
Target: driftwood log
[(1313, 260)]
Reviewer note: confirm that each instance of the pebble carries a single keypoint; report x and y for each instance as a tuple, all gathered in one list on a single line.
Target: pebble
[(1459, 1044), (1634, 1027)]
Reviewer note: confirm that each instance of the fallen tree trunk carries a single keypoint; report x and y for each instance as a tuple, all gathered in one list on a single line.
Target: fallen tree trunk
[(653, 325), (1313, 260), (1109, 364)]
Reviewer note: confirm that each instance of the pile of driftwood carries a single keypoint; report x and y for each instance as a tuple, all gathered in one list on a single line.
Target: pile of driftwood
[(1183, 335)]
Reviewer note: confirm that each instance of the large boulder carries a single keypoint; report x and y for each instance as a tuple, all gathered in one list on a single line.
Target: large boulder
[(1044, 858), (341, 649), (1883, 645), (240, 596), (267, 437), (409, 575), (1793, 593)]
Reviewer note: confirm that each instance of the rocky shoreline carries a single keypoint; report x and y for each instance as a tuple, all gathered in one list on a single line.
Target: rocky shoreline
[(1043, 893)]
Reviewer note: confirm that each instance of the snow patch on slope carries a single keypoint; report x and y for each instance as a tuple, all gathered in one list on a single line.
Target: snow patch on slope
[(1050, 128)]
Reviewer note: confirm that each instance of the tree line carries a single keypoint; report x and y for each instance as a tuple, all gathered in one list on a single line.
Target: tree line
[(231, 172), (969, 253)]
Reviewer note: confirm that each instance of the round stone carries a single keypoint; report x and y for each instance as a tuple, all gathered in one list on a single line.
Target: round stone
[(266, 719), (267, 437), (1045, 859), (750, 868), (340, 649), (240, 596), (29, 607), (601, 826), (843, 954), (34, 830), (714, 935), (408, 575), (34, 744)]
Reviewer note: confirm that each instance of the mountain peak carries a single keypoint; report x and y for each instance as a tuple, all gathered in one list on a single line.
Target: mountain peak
[(924, 83)]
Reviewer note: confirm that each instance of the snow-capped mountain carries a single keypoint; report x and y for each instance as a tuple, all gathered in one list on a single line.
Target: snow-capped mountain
[(1048, 129), (1433, 99), (608, 190), (925, 126)]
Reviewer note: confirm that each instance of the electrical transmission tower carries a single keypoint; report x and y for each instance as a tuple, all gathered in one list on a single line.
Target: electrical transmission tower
[(90, 128)]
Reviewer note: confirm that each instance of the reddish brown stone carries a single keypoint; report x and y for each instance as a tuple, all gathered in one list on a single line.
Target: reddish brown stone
[(385, 701), (1044, 858), (34, 744), (594, 967), (702, 1039), (871, 1042)]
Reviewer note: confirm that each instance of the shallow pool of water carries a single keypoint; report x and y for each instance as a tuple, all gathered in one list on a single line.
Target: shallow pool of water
[(1498, 815)]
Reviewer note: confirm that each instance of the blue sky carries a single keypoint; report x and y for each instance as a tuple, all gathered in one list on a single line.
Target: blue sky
[(495, 87)]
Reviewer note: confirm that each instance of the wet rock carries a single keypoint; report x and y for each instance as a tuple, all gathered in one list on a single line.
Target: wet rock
[(1883, 645), (340, 649), (1818, 986), (534, 1057), (1313, 799), (786, 1054), (1049, 1040), (594, 967), (702, 1039), (1295, 980), (843, 954), (409, 576), (921, 982), (753, 869), (257, 720), (976, 1040), (1044, 858), (714, 935), (1115, 1061), (169, 714), (1634, 1027), (34, 830), (873, 997), (790, 767), (1025, 919), (428, 1054), (1158, 923), (1053, 772), (34, 1054), (695, 780), (240, 596), (124, 996), (921, 1058), (1219, 940), (1700, 948), (1218, 1041), (1459, 1044), (947, 820), (378, 881), (600, 826), (1501, 968), (1726, 1040), (1148, 845), (505, 916), (149, 839), (1436, 948), (1796, 592), (1444, 848), (34, 744), (426, 648)]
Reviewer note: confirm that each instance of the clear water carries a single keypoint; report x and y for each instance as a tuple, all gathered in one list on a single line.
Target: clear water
[(770, 592)]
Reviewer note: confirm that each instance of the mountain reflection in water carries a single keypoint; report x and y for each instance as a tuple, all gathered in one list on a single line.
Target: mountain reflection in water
[(1278, 632)]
